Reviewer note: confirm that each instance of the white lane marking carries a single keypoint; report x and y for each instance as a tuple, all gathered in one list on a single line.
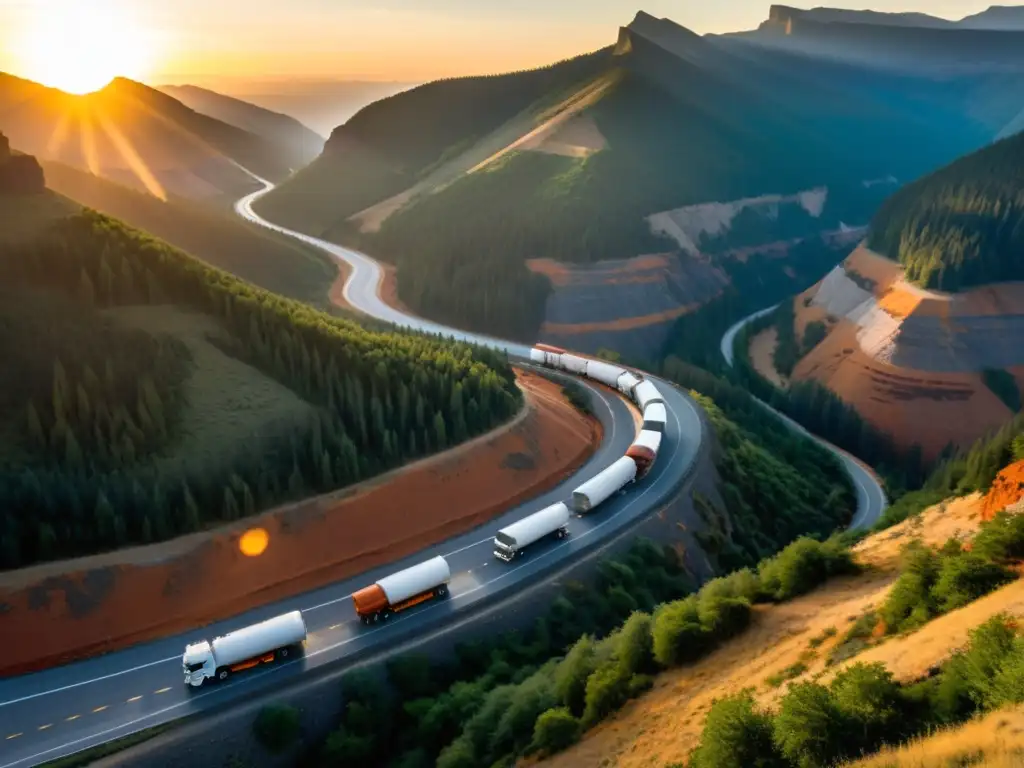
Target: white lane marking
[(603, 400), (133, 698), (361, 635)]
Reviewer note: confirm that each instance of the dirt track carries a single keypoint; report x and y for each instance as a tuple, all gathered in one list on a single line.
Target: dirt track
[(58, 612)]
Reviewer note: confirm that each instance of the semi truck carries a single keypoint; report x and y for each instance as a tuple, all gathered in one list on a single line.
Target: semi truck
[(250, 646), (412, 586), (602, 485), (646, 393), (655, 417), (512, 540)]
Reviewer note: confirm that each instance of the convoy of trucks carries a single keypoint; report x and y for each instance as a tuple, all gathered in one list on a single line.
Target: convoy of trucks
[(394, 593), (512, 540), (278, 637), (251, 646)]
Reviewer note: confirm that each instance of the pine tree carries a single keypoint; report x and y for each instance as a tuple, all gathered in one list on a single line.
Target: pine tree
[(190, 510), (248, 502), (296, 487), (231, 510), (73, 459), (326, 474), (440, 432), (84, 409)]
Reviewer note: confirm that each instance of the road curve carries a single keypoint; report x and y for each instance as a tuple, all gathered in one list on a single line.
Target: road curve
[(67, 709), (871, 500)]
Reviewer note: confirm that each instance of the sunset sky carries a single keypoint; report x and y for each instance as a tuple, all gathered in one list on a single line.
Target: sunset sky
[(404, 40)]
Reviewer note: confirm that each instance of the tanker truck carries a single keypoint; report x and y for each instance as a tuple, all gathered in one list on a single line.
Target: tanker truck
[(248, 647), (604, 484), (402, 590), (513, 539)]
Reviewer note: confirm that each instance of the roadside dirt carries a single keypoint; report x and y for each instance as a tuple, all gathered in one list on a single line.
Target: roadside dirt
[(762, 349), (59, 612), (664, 725), (1006, 490)]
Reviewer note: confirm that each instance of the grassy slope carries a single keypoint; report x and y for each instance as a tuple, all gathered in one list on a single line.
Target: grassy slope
[(268, 260), (664, 725)]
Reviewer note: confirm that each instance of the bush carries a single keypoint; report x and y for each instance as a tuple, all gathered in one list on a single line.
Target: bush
[(737, 735), (1001, 538), (572, 673), (807, 726), (677, 633), (965, 577), (633, 647), (802, 566), (607, 690), (555, 730), (277, 727), (910, 603), (868, 702)]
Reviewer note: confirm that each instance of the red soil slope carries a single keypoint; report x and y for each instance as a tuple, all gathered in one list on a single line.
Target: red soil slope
[(930, 408), (1007, 489), (58, 612)]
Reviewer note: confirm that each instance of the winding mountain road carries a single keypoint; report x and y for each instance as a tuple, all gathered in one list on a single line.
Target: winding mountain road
[(871, 500), (67, 709)]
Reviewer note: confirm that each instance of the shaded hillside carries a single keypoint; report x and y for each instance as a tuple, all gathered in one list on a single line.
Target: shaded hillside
[(147, 394), (991, 42), (961, 226), (138, 136), (19, 174), (273, 262), (301, 145), (732, 146)]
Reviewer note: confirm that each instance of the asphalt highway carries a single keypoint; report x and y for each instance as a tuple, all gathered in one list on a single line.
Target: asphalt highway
[(70, 708), (871, 500)]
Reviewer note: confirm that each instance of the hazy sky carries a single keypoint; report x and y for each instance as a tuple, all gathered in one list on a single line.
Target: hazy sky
[(408, 40)]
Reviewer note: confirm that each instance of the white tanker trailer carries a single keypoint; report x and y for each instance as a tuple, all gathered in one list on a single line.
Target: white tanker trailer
[(513, 539), (244, 648), (602, 485)]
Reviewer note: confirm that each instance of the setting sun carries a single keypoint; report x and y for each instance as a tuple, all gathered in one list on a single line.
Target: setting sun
[(79, 47)]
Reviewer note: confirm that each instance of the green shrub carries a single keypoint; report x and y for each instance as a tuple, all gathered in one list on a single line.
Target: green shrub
[(1001, 538), (607, 690), (572, 673), (737, 735), (555, 730), (965, 577), (802, 566), (826, 633), (869, 705), (678, 634), (794, 670), (277, 727), (633, 647), (807, 728), (910, 603)]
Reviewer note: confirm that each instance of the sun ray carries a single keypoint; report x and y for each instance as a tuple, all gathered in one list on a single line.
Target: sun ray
[(130, 156), (88, 134), (60, 135)]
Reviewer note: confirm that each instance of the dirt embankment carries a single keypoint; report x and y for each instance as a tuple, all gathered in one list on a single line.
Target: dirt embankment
[(762, 351), (911, 360), (664, 725), (1007, 491), (58, 612)]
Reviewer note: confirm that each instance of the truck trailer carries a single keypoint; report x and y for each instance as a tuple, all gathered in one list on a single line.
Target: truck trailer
[(602, 485), (646, 393), (644, 451), (655, 417), (513, 539), (248, 647), (606, 373), (402, 590)]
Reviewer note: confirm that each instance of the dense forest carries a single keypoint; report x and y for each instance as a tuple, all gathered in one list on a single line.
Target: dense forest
[(961, 226), (91, 403), (532, 691), (19, 174)]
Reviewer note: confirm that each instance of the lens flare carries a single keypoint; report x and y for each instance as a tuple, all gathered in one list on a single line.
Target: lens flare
[(254, 542)]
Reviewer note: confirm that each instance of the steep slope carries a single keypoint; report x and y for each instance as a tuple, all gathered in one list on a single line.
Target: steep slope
[(218, 237), (301, 144), (794, 653), (138, 136), (699, 153), (930, 365), (146, 394)]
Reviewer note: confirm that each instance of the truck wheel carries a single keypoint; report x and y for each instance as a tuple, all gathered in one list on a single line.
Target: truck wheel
[(385, 615), (442, 591), (282, 653), (223, 674)]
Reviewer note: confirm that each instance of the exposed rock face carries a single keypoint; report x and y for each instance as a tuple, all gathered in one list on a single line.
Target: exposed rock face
[(912, 361), (628, 305)]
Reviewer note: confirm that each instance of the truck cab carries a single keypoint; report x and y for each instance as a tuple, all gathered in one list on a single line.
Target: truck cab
[(198, 663), (505, 547)]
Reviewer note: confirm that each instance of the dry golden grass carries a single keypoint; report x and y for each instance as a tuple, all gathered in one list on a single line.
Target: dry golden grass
[(995, 741), (664, 725)]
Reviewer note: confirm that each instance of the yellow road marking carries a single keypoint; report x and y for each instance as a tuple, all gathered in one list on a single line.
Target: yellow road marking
[(163, 690), (13, 736), (100, 709), (73, 717), (334, 626), (133, 698), (44, 727)]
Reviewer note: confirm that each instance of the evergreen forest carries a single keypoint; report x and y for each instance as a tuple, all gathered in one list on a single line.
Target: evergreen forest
[(95, 409), (961, 226)]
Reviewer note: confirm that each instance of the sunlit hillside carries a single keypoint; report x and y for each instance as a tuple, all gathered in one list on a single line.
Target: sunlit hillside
[(137, 136)]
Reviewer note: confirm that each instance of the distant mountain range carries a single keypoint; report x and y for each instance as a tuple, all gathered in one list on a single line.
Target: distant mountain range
[(596, 201), (1001, 17), (136, 135), (302, 144), (993, 39)]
